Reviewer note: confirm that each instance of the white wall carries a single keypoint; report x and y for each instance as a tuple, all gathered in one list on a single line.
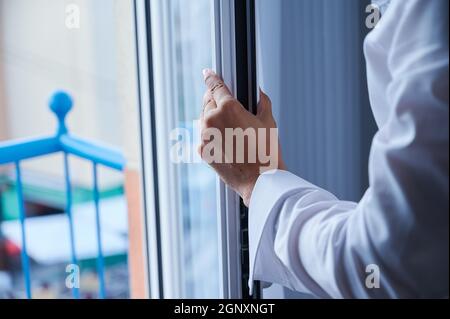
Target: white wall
[(311, 65)]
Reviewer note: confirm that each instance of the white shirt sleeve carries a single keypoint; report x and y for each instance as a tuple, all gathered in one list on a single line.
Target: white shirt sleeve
[(304, 238)]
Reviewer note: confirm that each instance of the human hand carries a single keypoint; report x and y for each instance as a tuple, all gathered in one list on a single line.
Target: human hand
[(238, 145)]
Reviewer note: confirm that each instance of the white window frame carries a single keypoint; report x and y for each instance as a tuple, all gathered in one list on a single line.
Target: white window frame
[(228, 201), (151, 215), (165, 281)]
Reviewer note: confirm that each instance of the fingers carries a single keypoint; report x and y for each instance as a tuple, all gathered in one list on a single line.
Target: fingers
[(208, 102), (264, 106), (215, 84)]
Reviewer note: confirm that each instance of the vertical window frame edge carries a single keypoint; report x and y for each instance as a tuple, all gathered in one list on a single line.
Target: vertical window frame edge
[(246, 92), (237, 66), (152, 231), (228, 200)]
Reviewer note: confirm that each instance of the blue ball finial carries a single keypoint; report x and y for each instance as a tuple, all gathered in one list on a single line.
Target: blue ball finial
[(61, 103)]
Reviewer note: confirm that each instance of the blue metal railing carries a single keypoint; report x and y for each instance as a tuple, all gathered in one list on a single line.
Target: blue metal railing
[(13, 152)]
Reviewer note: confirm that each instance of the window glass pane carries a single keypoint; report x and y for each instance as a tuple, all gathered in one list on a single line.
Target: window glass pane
[(86, 48), (188, 32), (193, 51)]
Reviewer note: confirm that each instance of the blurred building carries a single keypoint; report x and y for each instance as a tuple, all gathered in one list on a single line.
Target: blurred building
[(96, 63)]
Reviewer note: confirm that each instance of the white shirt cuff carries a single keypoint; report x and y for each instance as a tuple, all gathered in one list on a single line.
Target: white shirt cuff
[(268, 194)]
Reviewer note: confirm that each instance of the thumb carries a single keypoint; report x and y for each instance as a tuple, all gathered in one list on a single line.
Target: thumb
[(264, 107)]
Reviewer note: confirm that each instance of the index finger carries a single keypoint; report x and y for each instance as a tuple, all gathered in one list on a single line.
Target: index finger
[(215, 84)]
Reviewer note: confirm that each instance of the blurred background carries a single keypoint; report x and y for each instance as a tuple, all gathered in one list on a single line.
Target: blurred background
[(95, 63), (42, 50)]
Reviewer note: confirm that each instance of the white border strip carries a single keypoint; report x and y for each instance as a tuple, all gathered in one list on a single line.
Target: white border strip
[(228, 201), (150, 240)]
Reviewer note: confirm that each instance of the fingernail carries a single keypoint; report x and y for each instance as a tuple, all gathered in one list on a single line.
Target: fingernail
[(206, 73)]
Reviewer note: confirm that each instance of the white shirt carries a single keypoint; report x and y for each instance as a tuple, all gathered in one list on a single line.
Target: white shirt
[(306, 239)]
